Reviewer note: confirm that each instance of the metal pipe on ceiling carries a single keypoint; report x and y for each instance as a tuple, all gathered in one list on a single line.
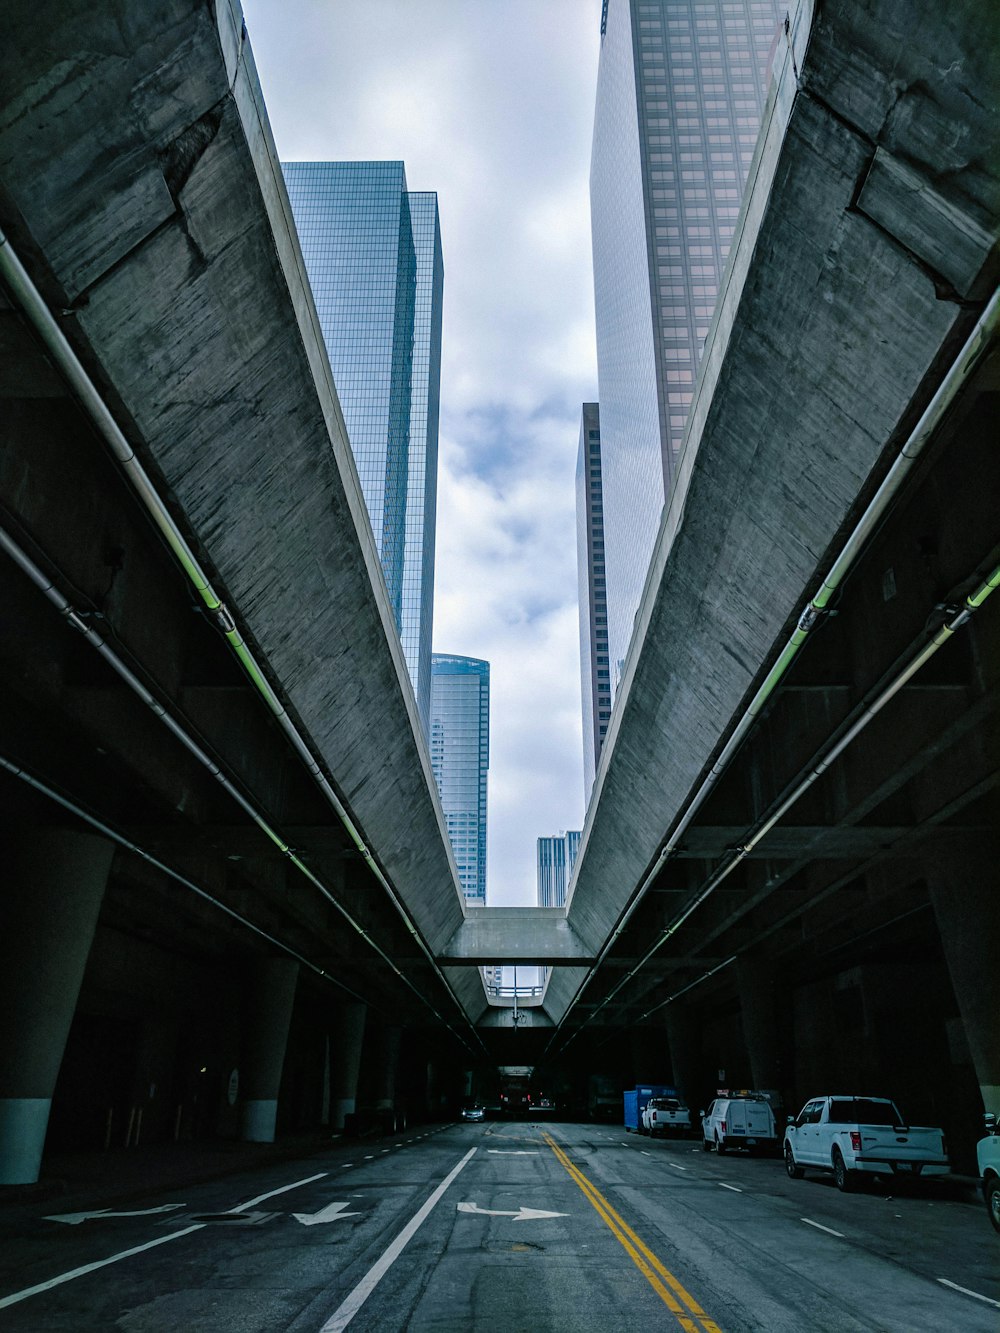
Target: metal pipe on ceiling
[(975, 346), (76, 619), (33, 304)]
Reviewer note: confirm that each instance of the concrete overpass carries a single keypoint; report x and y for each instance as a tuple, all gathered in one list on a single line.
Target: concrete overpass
[(225, 849)]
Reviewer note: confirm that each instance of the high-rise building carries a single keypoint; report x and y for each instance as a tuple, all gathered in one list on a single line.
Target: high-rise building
[(372, 251), (680, 89), (595, 669), (556, 857), (460, 758)]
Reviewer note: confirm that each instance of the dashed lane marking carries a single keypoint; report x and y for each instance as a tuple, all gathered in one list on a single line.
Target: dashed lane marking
[(820, 1227), (966, 1292), (722, 1185)]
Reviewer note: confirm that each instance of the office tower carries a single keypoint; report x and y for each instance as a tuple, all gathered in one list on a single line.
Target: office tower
[(595, 670), (372, 251), (460, 757), (680, 90), (556, 857)]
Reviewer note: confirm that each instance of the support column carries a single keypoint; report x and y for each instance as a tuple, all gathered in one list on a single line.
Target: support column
[(385, 1075), (966, 896), (54, 884), (684, 1062), (760, 1030), (347, 1033), (268, 1014)]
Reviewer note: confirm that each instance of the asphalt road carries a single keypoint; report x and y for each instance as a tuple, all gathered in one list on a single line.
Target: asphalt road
[(505, 1227)]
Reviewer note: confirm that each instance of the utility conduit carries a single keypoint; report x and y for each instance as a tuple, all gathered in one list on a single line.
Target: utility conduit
[(33, 304), (113, 835), (983, 333), (865, 715), (75, 619)]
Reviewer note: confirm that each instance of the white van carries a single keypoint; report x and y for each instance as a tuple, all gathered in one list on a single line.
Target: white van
[(744, 1121)]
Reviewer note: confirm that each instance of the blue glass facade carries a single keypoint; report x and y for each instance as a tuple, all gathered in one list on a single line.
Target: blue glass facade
[(556, 857), (595, 669), (681, 86), (460, 758), (372, 251)]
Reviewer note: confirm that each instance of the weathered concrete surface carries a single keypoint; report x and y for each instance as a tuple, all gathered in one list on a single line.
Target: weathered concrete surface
[(866, 246), (142, 187), (539, 935)]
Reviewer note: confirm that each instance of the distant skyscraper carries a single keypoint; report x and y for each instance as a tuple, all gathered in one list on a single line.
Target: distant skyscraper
[(460, 757), (595, 670), (680, 89), (372, 251), (556, 857)]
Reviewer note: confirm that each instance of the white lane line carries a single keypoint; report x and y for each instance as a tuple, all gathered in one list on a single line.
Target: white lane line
[(645, 1152), (84, 1269), (722, 1185), (369, 1157), (90, 1268), (676, 1167), (346, 1165), (283, 1189), (820, 1227), (966, 1292), (348, 1308)]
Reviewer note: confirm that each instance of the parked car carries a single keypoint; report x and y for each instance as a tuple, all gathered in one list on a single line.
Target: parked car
[(739, 1121), (988, 1157), (665, 1115), (473, 1113), (853, 1137), (635, 1100)]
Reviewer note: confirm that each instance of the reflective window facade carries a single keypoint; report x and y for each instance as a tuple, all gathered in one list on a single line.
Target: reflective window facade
[(372, 252), (460, 758), (556, 857), (681, 86), (595, 668)]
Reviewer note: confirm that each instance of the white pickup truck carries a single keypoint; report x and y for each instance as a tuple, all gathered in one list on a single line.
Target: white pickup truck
[(988, 1156), (665, 1115), (855, 1137)]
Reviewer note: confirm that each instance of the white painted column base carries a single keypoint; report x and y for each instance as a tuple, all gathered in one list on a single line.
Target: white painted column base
[(259, 1119), (23, 1122)]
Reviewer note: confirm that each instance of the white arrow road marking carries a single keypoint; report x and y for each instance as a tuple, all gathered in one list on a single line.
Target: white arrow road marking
[(74, 1219), (331, 1213), (514, 1152), (522, 1215)]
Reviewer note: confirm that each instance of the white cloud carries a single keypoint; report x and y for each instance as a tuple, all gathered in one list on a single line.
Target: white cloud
[(490, 103)]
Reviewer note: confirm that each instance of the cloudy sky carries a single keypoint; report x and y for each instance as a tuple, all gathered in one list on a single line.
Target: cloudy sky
[(490, 103)]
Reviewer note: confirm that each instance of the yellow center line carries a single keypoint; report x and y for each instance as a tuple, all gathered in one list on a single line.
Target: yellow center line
[(663, 1282)]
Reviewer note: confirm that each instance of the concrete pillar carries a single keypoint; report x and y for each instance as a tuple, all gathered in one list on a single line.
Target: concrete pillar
[(346, 1041), (682, 1038), (54, 883), (387, 1068), (966, 895), (760, 1020), (268, 1013)]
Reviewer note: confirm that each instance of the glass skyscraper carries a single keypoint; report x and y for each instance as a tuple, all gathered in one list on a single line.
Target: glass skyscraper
[(680, 90), (595, 670), (460, 758), (372, 251), (556, 857)]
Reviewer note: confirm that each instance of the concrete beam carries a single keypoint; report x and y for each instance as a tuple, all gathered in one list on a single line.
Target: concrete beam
[(829, 334), (536, 935)]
